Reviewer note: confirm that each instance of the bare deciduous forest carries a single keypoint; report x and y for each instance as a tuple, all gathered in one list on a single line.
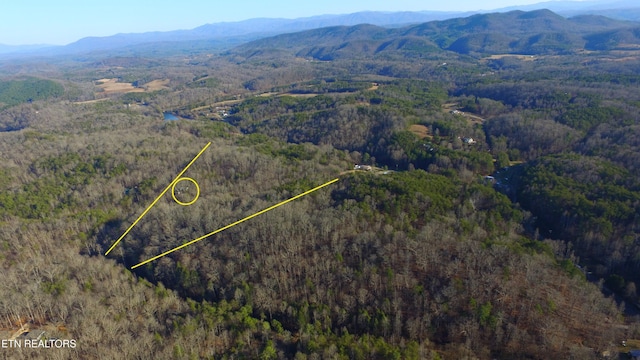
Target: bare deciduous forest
[(494, 215)]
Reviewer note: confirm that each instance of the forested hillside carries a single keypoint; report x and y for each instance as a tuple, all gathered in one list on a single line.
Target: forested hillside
[(539, 32), (487, 204), (14, 92)]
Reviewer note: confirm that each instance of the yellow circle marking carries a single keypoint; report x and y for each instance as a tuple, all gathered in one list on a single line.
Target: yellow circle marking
[(173, 191)]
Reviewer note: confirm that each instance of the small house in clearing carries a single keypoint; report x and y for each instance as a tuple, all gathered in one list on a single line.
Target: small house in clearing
[(363, 167)]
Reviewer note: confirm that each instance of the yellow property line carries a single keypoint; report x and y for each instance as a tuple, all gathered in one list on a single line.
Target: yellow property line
[(235, 223), (156, 200)]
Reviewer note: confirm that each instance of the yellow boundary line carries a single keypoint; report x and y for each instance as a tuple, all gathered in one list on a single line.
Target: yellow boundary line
[(156, 200), (235, 223)]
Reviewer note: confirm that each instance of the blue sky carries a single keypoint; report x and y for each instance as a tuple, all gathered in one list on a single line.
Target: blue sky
[(65, 21)]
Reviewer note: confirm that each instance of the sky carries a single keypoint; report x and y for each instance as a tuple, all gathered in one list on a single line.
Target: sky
[(60, 22)]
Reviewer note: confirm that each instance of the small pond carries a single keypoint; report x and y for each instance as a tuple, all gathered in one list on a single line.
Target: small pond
[(170, 117)]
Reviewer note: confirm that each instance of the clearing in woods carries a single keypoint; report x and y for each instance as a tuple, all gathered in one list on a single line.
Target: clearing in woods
[(112, 86), (514, 56), (156, 85), (452, 108), (420, 130)]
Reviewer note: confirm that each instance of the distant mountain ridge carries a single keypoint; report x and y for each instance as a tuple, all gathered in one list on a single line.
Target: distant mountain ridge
[(249, 29), (231, 32), (534, 32)]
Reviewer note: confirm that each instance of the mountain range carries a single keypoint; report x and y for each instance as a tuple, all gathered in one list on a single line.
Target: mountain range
[(461, 35), (232, 33), (535, 32)]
